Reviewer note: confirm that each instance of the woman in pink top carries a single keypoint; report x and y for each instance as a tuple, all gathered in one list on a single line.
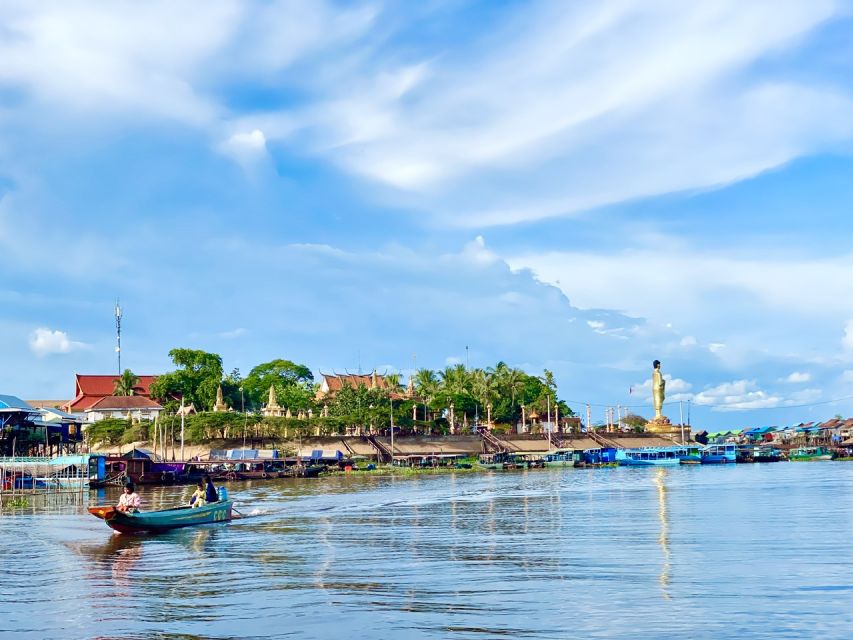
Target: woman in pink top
[(129, 501)]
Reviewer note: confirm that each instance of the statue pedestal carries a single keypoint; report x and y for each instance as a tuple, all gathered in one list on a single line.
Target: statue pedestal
[(663, 427), (659, 425)]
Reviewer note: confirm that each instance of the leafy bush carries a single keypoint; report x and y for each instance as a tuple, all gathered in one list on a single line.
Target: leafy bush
[(108, 431)]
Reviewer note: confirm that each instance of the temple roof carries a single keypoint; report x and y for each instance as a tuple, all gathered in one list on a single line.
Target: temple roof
[(336, 382), (91, 388)]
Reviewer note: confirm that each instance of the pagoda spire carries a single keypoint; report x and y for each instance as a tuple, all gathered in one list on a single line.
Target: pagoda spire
[(272, 403), (220, 401)]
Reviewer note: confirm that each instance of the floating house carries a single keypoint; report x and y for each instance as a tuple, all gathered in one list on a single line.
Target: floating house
[(27, 431)]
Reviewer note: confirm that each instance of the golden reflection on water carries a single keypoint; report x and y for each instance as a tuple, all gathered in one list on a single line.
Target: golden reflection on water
[(663, 538)]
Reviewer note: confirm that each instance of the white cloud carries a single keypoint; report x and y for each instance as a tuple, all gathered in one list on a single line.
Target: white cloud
[(797, 377), (688, 341), (45, 342), (582, 106), (245, 148), (477, 252), (736, 395), (570, 107), (233, 333), (676, 389), (847, 340), (595, 325), (161, 59), (749, 288), (847, 376)]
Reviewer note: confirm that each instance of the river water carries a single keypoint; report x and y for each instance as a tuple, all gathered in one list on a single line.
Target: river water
[(699, 552)]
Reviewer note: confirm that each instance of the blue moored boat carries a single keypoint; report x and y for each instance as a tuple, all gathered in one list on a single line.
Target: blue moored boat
[(719, 454), (165, 519), (648, 457)]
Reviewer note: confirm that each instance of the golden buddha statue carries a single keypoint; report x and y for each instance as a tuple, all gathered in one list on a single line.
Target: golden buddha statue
[(658, 389)]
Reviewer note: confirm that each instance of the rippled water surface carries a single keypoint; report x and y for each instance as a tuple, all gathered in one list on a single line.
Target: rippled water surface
[(702, 552)]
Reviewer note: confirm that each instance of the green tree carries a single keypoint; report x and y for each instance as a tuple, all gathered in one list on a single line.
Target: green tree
[(426, 386), (108, 431), (196, 379), (293, 384), (125, 384)]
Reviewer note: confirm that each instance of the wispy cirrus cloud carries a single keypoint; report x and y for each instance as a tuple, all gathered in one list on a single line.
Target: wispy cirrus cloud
[(582, 105)]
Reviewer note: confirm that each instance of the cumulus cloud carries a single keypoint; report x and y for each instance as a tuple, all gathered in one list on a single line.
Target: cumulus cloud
[(45, 342), (736, 395), (797, 377), (676, 389), (749, 287), (245, 148)]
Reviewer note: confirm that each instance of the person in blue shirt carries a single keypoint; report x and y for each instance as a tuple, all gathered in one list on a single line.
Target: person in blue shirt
[(210, 490)]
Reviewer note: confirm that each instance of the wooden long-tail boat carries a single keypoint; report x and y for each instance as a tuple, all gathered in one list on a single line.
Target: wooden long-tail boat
[(165, 519)]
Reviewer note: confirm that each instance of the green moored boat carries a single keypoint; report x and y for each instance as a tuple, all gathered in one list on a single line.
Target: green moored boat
[(809, 454)]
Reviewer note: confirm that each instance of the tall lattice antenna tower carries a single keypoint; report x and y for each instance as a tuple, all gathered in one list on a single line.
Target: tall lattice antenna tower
[(118, 334)]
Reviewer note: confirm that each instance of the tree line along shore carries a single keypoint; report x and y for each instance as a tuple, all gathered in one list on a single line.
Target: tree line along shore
[(233, 406)]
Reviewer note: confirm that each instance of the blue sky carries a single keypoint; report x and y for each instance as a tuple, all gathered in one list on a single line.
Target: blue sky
[(572, 186)]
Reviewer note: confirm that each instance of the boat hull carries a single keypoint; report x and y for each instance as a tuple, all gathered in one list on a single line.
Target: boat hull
[(166, 520), (662, 462)]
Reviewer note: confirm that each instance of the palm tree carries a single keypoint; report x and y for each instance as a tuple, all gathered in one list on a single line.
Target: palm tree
[(125, 384), (454, 380), (426, 386), (484, 386), (392, 381), (513, 382)]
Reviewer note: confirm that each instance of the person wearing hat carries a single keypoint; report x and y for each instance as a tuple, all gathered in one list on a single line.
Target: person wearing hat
[(129, 501)]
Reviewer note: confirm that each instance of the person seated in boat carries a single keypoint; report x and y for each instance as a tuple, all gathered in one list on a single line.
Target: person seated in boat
[(198, 498), (129, 501), (210, 494)]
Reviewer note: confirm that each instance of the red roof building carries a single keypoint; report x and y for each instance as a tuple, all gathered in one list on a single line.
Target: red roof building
[(90, 389)]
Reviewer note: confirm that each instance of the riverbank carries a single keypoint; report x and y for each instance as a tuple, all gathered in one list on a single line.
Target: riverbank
[(372, 447)]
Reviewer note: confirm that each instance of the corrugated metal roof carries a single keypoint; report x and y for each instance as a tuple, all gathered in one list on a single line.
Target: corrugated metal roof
[(14, 402)]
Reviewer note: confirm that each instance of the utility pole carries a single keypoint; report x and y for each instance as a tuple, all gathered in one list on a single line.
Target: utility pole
[(549, 422), (245, 416), (681, 419), (118, 334), (183, 417), (392, 430), (588, 417), (467, 364)]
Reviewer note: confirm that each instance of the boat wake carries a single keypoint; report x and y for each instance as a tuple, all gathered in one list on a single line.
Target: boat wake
[(254, 513)]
